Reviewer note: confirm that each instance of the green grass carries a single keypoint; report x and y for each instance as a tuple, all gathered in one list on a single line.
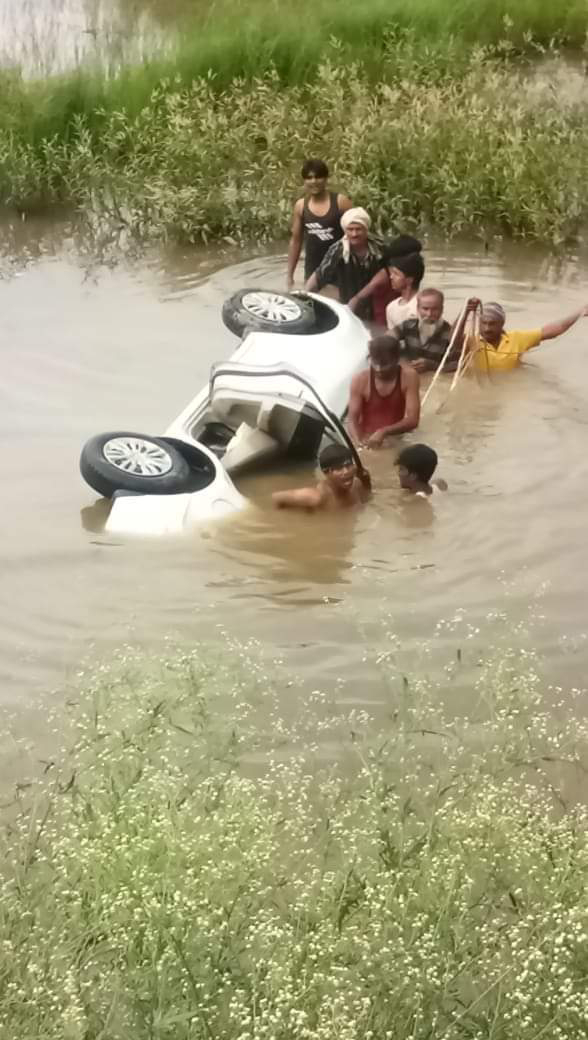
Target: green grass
[(195, 870), (419, 107), (479, 149)]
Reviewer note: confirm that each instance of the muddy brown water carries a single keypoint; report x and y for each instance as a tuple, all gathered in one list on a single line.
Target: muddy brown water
[(500, 558)]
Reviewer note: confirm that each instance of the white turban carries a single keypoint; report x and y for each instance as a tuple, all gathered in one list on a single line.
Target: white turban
[(355, 215), (494, 310)]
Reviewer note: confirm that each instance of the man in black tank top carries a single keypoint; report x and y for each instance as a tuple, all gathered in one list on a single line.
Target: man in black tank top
[(316, 219)]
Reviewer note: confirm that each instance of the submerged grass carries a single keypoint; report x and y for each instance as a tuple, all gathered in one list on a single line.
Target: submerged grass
[(191, 873), (480, 149)]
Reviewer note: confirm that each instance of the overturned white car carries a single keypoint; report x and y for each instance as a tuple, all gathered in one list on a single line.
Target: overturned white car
[(283, 390)]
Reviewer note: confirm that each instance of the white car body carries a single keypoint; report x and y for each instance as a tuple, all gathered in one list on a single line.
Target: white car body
[(266, 393)]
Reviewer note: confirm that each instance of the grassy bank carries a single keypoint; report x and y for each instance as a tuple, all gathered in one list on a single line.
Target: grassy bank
[(476, 148), (196, 870), (419, 107)]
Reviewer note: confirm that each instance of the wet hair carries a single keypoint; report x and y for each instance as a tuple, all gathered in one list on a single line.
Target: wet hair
[(385, 342), (433, 292), (334, 456), (316, 166), (420, 460), (402, 245)]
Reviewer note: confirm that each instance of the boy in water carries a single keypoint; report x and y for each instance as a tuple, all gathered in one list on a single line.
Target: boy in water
[(343, 485), (316, 220), (416, 465)]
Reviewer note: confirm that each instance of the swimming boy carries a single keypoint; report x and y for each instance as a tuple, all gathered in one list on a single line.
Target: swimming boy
[(416, 465), (343, 485), (315, 220), (384, 398)]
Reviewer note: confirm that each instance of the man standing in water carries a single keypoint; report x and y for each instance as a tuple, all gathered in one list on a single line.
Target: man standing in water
[(500, 351), (384, 399), (316, 219), (424, 340), (351, 263), (406, 274), (379, 290), (343, 485)]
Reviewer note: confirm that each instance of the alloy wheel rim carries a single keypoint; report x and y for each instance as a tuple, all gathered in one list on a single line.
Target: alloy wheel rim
[(271, 307), (138, 457)]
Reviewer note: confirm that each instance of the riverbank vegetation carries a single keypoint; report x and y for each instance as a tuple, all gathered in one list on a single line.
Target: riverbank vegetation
[(198, 867), (422, 110)]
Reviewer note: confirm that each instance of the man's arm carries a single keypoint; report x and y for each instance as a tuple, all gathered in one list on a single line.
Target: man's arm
[(343, 203), (379, 280), (355, 409), (412, 410), (325, 273), (301, 498), (557, 328), (295, 242)]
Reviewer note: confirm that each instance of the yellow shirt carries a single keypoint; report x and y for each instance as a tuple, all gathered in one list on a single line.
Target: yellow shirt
[(507, 354)]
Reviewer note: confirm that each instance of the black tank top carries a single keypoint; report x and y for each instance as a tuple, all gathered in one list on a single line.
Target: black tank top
[(320, 233)]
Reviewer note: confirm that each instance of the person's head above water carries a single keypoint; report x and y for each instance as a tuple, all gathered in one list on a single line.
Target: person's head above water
[(416, 465), (384, 356), (492, 322), (315, 174), (336, 462), (402, 245), (406, 271), (355, 223), (430, 304)]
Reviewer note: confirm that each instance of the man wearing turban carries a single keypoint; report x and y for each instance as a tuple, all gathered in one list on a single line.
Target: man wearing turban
[(500, 351), (352, 262)]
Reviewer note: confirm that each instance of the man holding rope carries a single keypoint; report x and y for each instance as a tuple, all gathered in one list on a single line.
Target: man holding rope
[(384, 398), (424, 340), (497, 350)]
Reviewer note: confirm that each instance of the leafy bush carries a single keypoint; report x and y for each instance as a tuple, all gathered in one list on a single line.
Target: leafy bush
[(486, 150)]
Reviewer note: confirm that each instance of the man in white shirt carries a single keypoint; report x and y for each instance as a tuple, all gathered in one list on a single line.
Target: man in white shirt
[(405, 276)]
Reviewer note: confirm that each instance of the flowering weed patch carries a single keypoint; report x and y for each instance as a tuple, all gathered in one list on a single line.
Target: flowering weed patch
[(191, 873)]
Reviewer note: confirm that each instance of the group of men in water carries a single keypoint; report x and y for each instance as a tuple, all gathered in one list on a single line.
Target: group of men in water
[(381, 282)]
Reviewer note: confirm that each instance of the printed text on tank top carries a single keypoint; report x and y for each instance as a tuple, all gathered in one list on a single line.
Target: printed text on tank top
[(323, 226), (321, 230)]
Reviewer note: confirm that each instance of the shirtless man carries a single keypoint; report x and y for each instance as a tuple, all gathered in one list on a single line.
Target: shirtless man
[(343, 485), (384, 399), (315, 221)]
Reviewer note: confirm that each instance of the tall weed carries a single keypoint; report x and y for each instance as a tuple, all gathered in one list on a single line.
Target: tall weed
[(483, 152)]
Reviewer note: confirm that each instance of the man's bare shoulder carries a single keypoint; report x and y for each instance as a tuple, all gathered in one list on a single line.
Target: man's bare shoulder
[(300, 498), (410, 377), (360, 379), (299, 207)]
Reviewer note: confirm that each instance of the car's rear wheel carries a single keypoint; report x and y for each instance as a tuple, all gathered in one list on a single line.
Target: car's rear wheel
[(134, 462), (261, 310)]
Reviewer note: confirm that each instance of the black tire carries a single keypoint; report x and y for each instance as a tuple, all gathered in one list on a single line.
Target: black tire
[(171, 474), (293, 315)]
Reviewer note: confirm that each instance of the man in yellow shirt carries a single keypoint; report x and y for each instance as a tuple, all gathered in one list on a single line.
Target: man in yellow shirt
[(500, 351)]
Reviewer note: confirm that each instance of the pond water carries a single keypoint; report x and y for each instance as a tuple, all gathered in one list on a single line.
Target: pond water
[(52, 36), (93, 345)]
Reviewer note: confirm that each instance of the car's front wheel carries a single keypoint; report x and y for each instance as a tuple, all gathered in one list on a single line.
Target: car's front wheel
[(261, 310), (134, 462)]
